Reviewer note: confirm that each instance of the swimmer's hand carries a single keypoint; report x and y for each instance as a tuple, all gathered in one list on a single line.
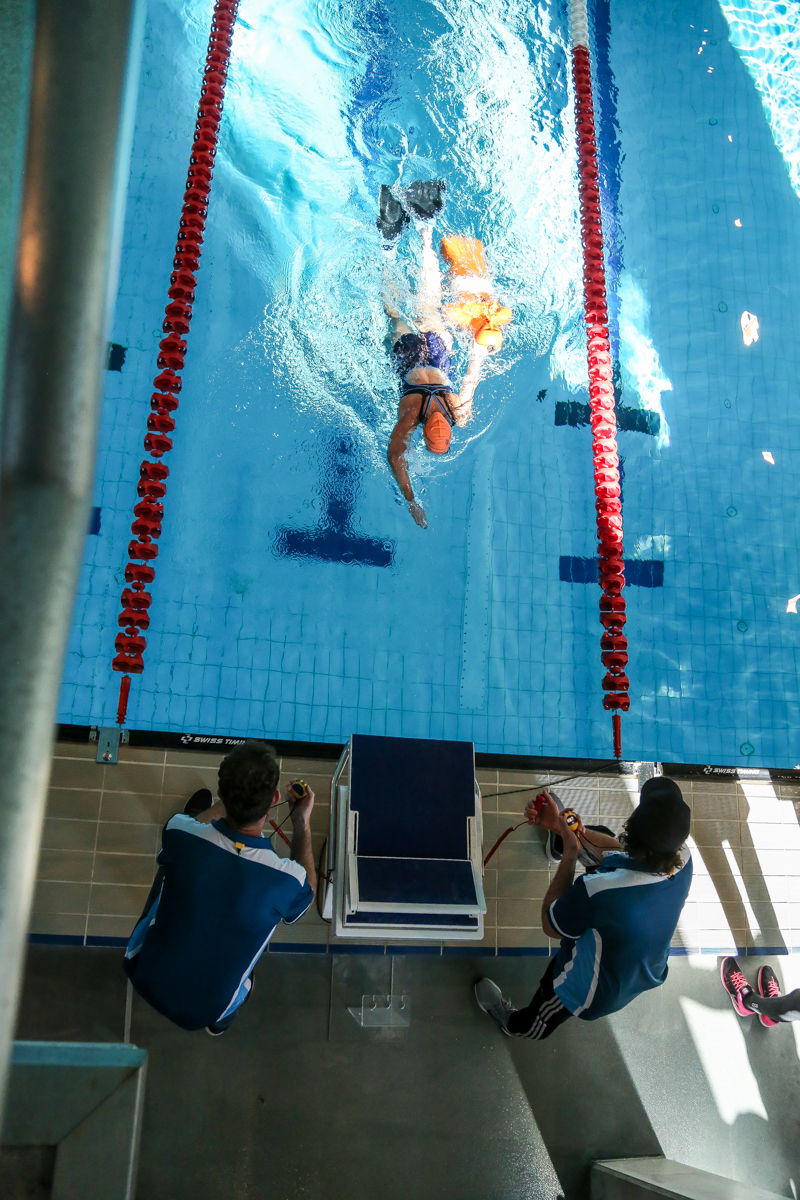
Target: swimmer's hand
[(418, 513)]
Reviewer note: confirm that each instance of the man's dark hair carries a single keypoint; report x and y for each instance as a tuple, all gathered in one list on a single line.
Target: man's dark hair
[(657, 862), (248, 777), (655, 832)]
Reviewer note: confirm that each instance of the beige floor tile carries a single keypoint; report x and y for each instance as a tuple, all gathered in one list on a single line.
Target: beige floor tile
[(299, 768), (765, 862), (488, 799), (320, 784), (117, 900), (72, 804), (715, 916), (524, 778), (711, 888), (534, 938), (301, 933), (66, 866), (511, 803), (118, 837), (522, 885), (519, 913), (124, 868), (723, 807), (713, 833), (486, 776), (703, 788), (767, 837), (169, 805), (144, 778), (61, 897), (487, 942), (61, 834), (131, 807), (118, 927), (184, 781), (521, 853), (76, 773), (490, 883), (205, 759), (75, 750), (140, 754), (614, 808), (320, 820), (58, 924)]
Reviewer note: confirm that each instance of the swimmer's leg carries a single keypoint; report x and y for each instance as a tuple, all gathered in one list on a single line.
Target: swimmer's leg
[(391, 306), (429, 296)]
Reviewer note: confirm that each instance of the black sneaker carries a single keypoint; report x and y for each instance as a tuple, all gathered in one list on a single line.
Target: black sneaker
[(736, 986), (199, 802), (770, 989)]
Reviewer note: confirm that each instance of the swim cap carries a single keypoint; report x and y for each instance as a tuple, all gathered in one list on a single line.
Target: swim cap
[(437, 433), (491, 338), (661, 822)]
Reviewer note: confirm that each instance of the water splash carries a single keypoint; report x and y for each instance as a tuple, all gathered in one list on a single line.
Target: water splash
[(766, 34), (327, 101), (639, 359)]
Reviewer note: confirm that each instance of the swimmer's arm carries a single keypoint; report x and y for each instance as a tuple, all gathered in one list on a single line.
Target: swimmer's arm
[(398, 445), (462, 403)]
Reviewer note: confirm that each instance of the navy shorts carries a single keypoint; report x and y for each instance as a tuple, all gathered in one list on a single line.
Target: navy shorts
[(421, 350)]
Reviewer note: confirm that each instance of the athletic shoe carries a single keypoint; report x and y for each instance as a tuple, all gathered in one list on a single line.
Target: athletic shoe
[(199, 802), (770, 989), (736, 986), (490, 999)]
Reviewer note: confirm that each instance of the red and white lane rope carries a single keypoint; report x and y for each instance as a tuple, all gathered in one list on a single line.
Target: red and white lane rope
[(613, 644), (148, 513)]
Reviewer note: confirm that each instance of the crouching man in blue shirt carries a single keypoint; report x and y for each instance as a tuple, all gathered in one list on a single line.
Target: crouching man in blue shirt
[(615, 923), (219, 893)]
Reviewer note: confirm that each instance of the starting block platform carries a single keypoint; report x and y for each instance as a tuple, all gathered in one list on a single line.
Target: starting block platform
[(404, 852)]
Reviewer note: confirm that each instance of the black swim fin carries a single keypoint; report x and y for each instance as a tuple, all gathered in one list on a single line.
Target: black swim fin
[(392, 218), (424, 197)]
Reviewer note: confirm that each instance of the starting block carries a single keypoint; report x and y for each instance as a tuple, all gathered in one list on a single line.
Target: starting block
[(404, 853)]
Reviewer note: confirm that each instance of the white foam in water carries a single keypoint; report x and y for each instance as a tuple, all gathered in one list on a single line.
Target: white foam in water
[(326, 102), (638, 357), (766, 34)]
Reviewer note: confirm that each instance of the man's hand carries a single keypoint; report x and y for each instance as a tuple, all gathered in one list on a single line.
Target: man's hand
[(550, 818), (418, 513), (300, 814), (300, 810)]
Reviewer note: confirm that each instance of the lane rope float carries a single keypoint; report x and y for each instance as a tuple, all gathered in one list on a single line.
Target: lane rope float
[(148, 513), (613, 643)]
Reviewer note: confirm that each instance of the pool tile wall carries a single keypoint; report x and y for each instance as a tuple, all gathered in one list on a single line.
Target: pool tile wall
[(104, 822)]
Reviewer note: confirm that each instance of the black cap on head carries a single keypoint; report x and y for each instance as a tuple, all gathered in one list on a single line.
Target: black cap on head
[(661, 822)]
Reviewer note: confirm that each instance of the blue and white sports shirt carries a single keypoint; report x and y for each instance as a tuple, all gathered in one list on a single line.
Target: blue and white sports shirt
[(222, 896), (616, 927)]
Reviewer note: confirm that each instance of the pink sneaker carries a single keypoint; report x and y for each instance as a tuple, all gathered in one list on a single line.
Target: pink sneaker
[(769, 988), (736, 986)]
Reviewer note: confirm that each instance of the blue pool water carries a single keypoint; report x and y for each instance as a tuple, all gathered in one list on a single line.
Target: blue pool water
[(294, 596)]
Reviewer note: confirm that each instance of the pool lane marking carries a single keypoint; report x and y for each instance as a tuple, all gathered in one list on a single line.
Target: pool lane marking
[(614, 645), (149, 511)]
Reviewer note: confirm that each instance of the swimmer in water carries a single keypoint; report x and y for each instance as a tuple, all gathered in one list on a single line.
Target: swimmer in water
[(422, 358)]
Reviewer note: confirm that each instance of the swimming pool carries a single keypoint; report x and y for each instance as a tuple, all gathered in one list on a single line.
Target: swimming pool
[(295, 598)]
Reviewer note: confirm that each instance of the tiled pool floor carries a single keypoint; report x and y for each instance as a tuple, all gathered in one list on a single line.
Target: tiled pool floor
[(104, 822)]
